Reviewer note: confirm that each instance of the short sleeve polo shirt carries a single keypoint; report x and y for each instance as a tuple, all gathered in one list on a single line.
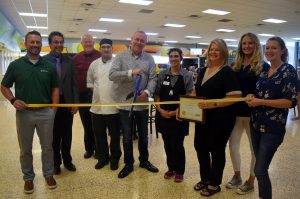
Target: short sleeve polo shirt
[(33, 82)]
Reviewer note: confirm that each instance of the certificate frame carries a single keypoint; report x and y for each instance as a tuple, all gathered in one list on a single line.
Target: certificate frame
[(191, 111)]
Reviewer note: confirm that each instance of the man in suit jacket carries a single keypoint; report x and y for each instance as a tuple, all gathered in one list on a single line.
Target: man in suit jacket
[(62, 130)]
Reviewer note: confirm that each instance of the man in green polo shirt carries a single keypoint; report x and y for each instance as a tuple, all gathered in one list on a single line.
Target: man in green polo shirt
[(36, 82)]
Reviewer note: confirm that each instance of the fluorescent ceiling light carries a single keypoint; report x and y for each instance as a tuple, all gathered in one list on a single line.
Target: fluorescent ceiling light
[(296, 38), (97, 30), (111, 20), (151, 33), (44, 35), (230, 40), (215, 12), (128, 38), (274, 20), (203, 43), (32, 14), (266, 35), (232, 45), (193, 37), (225, 30), (170, 41), (138, 2), (37, 27), (174, 25)]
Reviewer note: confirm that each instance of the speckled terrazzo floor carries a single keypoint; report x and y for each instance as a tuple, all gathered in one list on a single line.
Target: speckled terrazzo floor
[(87, 182)]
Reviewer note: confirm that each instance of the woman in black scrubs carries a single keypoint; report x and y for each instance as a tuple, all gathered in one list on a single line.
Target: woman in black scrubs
[(216, 81), (172, 83)]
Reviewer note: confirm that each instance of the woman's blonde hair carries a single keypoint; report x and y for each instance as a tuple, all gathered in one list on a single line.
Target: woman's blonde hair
[(221, 44), (256, 60)]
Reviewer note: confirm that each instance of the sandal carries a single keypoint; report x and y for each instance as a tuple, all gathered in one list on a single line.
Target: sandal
[(209, 192), (200, 185)]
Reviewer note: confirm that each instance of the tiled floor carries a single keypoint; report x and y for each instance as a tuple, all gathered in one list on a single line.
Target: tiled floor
[(87, 182)]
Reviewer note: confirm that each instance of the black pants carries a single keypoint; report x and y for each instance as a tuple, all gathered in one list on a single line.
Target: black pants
[(100, 124), (173, 143), (86, 120), (62, 136), (210, 143)]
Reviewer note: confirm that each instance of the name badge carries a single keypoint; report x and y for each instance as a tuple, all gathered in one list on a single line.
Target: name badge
[(166, 83)]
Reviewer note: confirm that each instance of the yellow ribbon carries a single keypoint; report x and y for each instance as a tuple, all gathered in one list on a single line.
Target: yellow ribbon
[(184, 101)]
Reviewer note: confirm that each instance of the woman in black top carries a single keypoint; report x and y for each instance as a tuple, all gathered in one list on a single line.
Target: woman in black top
[(172, 83), (247, 66), (216, 81)]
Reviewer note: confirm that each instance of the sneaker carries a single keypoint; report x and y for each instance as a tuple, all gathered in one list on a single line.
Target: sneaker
[(51, 182), (245, 188), (169, 174), (235, 182), (178, 178), (28, 186)]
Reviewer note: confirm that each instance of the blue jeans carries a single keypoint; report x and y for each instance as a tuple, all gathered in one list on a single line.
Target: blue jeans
[(264, 145), (141, 120)]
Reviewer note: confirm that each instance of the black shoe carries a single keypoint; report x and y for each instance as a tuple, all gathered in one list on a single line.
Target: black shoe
[(114, 165), (57, 170), (88, 154), (100, 164), (150, 167), (70, 166), (125, 171)]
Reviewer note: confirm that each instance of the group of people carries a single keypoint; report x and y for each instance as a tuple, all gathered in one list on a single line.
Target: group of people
[(269, 91), (96, 77)]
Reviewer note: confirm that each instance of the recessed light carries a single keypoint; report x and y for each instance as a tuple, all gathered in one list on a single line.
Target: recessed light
[(266, 35), (274, 20), (94, 37), (32, 14), (225, 30), (111, 20), (170, 41), (230, 40), (215, 12), (193, 37), (151, 33), (138, 2), (97, 30), (37, 27), (174, 25)]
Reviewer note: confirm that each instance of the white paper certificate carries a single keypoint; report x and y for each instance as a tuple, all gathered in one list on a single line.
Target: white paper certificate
[(189, 109)]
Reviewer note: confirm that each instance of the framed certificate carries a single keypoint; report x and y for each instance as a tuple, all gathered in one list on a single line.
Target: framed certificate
[(189, 109)]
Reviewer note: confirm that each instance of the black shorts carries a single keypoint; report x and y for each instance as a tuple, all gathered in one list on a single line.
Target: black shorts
[(298, 85)]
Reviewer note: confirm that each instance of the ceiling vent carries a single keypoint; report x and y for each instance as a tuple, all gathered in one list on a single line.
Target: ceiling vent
[(146, 11), (161, 37), (71, 31), (260, 24), (224, 20), (107, 33), (78, 19), (88, 6), (194, 16)]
